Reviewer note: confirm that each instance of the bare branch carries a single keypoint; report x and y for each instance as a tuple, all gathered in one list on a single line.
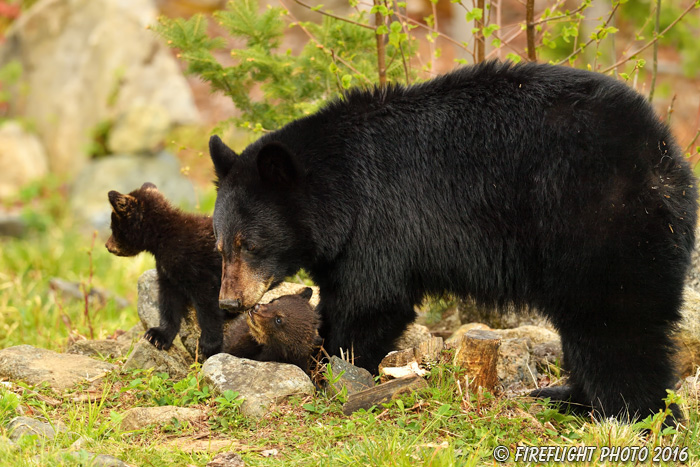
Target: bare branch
[(530, 30), (562, 16), (479, 36), (381, 47), (655, 60), (697, 133), (331, 15)]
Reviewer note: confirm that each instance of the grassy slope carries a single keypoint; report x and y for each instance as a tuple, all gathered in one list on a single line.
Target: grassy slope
[(442, 427)]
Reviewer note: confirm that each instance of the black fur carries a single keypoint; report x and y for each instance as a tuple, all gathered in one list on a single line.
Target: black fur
[(528, 184), (188, 265)]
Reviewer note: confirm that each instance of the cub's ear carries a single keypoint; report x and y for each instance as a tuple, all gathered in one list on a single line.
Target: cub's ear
[(222, 156), (149, 186), (122, 204), (276, 165), (306, 293)]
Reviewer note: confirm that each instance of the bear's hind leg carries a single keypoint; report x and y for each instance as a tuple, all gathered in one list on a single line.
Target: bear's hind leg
[(564, 396), (618, 369)]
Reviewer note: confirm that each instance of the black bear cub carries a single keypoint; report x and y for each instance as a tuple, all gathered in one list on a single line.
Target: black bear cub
[(525, 184), (188, 265), (284, 330)]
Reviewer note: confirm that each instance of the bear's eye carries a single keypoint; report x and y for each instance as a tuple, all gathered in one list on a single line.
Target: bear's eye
[(278, 320), (249, 247)]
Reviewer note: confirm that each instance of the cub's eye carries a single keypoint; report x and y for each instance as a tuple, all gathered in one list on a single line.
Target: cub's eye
[(278, 320), (249, 247)]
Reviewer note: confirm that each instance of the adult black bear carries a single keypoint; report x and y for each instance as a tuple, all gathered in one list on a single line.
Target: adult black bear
[(524, 184), (189, 268)]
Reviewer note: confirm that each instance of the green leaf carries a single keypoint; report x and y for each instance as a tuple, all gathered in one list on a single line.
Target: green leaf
[(515, 58), (475, 14), (490, 29), (381, 9)]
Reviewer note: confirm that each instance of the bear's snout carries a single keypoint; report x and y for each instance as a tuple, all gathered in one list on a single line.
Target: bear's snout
[(228, 304)]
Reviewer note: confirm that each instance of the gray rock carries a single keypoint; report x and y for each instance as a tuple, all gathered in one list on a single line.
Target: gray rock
[(101, 348), (547, 353), (147, 304), (92, 61), (413, 335), (139, 129), (693, 279), (456, 336), (175, 361), (688, 335), (96, 460), (353, 378), (260, 384), (12, 224), (290, 288), (22, 158), (140, 417), (125, 173), (26, 426), (226, 459), (470, 312), (536, 334), (515, 367), (61, 371), (690, 388), (149, 312)]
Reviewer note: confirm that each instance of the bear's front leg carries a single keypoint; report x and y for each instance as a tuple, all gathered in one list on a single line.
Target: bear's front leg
[(172, 308), (211, 321)]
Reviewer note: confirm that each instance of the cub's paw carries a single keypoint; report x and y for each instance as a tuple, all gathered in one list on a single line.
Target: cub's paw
[(160, 338)]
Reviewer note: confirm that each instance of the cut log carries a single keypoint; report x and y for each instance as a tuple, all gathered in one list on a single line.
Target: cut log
[(397, 358), (428, 352), (477, 353), (383, 393)]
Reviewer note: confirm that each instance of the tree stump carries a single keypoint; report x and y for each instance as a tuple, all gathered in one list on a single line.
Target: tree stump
[(429, 351), (397, 358), (477, 353)]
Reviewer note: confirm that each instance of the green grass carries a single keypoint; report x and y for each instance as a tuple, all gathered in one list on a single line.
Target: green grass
[(441, 426)]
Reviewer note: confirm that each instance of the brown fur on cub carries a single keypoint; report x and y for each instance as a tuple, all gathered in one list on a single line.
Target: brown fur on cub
[(188, 265), (284, 330)]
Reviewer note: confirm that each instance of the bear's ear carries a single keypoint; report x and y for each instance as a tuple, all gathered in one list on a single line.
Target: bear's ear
[(149, 186), (121, 204), (222, 156), (277, 166), (306, 293)]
